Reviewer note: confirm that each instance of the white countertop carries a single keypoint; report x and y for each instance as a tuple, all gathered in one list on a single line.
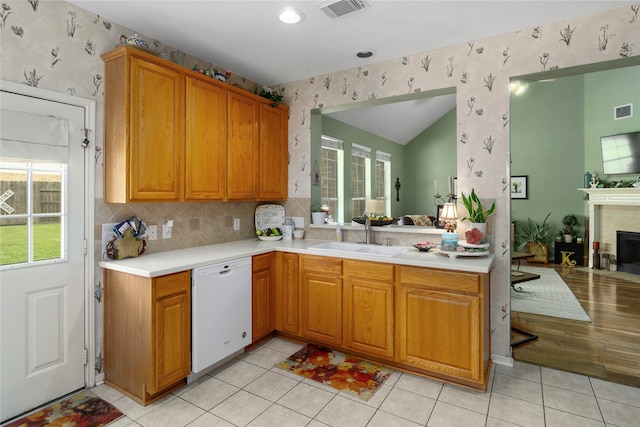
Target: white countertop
[(161, 263)]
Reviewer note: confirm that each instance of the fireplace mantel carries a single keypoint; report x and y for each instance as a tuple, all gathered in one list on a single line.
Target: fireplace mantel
[(613, 196), (606, 196)]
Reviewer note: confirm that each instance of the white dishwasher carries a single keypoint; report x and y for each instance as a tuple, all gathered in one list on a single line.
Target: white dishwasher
[(220, 311)]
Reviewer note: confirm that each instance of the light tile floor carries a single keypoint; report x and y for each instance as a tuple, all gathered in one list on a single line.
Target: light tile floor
[(250, 391)]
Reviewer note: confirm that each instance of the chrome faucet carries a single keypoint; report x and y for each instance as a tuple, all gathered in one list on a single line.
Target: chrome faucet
[(368, 231)]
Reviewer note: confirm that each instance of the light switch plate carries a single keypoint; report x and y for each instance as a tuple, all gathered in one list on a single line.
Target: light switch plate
[(152, 232), (298, 221)]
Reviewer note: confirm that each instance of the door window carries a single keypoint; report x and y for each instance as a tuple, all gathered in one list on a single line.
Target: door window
[(32, 213)]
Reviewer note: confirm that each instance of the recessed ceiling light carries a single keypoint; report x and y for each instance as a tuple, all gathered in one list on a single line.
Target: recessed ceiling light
[(289, 15), (364, 54)]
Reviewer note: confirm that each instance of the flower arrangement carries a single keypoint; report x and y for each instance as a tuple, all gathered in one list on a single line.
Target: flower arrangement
[(474, 236), (272, 94)]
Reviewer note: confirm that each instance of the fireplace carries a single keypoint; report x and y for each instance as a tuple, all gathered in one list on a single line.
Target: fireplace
[(604, 223), (628, 250)]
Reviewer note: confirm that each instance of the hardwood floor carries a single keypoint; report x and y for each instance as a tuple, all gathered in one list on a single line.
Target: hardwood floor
[(607, 348)]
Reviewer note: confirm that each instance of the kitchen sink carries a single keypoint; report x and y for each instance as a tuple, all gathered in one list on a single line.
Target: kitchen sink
[(358, 248)]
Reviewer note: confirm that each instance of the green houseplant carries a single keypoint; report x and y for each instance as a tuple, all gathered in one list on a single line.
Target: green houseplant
[(474, 207), (535, 238), (569, 221)]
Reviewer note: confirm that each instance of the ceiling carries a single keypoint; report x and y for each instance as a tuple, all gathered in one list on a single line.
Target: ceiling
[(247, 38)]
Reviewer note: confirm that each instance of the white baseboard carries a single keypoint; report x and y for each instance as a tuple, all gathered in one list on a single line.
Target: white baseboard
[(502, 360), (100, 379)]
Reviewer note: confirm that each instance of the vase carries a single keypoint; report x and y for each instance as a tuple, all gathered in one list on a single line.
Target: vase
[(318, 217), (482, 227)]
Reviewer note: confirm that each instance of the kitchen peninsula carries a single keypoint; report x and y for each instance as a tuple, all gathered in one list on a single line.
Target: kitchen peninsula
[(421, 312)]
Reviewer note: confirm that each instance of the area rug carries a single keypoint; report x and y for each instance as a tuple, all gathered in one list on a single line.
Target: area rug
[(547, 296), (338, 370), (83, 409)]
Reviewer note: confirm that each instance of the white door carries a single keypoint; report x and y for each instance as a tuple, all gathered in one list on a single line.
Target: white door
[(42, 265)]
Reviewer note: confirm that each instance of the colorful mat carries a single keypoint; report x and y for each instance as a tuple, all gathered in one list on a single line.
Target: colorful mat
[(83, 409), (338, 370)]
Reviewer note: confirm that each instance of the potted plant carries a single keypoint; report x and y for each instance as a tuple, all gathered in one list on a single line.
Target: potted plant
[(569, 221), (535, 237), (477, 214), (318, 214)]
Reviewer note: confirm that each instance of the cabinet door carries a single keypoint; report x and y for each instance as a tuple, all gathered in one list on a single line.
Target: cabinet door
[(321, 299), (262, 295), (206, 145), (274, 152), (440, 331), (172, 326), (287, 298), (368, 307), (157, 135), (243, 148)]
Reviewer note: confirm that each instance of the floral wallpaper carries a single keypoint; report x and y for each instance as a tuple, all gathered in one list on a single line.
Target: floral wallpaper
[(481, 72), (57, 46)]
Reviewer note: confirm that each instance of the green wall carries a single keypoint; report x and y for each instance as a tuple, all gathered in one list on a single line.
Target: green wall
[(352, 135), (429, 156), (547, 145), (556, 127), (603, 92)]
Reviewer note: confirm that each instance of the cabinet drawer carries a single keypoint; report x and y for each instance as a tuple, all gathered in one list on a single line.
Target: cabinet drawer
[(455, 281), (369, 270), (172, 284), (321, 264), (263, 262)]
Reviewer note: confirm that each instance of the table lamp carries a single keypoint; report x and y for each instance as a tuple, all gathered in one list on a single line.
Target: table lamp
[(374, 207), (449, 237)]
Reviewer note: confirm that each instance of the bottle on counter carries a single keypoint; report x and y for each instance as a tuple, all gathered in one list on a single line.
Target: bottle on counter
[(287, 228)]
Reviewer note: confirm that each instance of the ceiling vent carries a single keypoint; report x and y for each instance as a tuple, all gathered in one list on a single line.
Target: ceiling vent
[(623, 112), (337, 9)]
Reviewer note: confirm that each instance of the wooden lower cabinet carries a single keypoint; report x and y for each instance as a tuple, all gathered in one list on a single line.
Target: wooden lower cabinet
[(368, 298), (321, 299), (262, 295), (147, 333), (287, 293), (440, 321), (430, 321)]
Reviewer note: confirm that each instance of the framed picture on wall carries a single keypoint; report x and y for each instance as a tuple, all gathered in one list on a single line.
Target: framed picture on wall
[(439, 222), (519, 187)]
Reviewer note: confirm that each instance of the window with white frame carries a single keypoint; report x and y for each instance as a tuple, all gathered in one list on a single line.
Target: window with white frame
[(360, 172), (32, 212), (332, 177), (383, 179)]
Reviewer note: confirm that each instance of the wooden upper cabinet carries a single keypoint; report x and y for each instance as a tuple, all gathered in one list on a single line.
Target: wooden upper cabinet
[(206, 146), (274, 153), (172, 134), (144, 131), (243, 147)]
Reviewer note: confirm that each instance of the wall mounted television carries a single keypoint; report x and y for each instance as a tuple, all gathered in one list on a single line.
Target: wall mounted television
[(621, 153)]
